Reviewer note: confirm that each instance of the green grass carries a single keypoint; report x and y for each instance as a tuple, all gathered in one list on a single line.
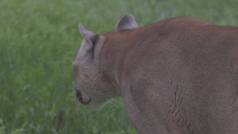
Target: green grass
[(38, 42)]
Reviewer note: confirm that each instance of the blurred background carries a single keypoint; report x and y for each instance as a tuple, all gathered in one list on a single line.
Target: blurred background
[(38, 42)]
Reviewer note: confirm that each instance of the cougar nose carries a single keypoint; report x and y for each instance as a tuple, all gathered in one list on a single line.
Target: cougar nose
[(81, 98)]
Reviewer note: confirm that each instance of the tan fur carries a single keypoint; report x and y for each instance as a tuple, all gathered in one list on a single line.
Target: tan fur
[(179, 76)]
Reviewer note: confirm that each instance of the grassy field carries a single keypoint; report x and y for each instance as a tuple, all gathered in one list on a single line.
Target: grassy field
[(38, 41)]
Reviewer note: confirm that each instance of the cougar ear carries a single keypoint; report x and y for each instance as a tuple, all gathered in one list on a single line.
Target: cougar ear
[(127, 22), (90, 41), (85, 32)]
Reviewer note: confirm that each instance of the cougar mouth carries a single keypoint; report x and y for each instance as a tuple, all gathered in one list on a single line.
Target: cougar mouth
[(82, 99)]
